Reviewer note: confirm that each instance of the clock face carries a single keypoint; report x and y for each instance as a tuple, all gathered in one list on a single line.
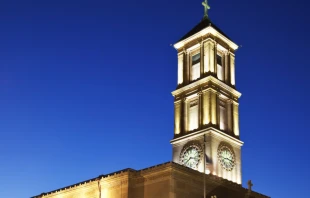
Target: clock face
[(226, 158), (190, 156)]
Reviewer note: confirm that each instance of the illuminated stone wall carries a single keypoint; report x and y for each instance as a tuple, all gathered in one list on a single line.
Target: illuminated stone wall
[(218, 101), (115, 186), (214, 139), (208, 47), (168, 180), (208, 92)]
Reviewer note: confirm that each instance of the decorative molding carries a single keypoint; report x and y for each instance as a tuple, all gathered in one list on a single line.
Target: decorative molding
[(194, 47), (205, 31), (204, 80), (207, 131), (221, 48)]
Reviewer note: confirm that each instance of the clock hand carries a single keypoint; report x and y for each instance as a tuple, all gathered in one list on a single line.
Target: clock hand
[(188, 159), (228, 159)]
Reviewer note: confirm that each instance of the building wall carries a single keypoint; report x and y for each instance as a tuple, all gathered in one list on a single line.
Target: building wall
[(233, 175), (213, 140), (151, 183), (190, 184), (168, 180)]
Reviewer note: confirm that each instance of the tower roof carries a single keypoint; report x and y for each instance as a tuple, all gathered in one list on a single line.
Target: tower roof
[(200, 26)]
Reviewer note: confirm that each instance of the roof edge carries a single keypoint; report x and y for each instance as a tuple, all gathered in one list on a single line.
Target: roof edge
[(208, 30)]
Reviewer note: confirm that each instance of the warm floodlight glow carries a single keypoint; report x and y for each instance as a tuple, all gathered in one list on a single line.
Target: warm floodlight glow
[(206, 57), (213, 108), (180, 68), (195, 72), (236, 119), (193, 48), (232, 70), (193, 116), (207, 30), (206, 108), (222, 118), (177, 117), (211, 55)]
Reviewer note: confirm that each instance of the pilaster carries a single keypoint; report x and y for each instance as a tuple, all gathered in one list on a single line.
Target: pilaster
[(214, 108), (226, 68), (214, 57), (229, 117), (180, 68), (206, 107), (206, 56), (185, 110), (212, 62), (200, 109), (232, 70), (236, 118), (177, 117), (186, 67), (202, 63)]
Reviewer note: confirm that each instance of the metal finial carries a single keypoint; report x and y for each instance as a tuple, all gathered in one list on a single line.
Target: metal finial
[(206, 8)]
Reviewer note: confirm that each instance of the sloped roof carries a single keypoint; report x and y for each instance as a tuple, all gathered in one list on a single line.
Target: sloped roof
[(200, 26)]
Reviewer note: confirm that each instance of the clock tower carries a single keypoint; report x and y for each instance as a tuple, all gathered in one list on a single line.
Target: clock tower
[(206, 159), (206, 118)]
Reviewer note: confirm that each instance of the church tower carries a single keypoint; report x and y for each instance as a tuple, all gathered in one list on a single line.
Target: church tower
[(206, 118), (206, 142)]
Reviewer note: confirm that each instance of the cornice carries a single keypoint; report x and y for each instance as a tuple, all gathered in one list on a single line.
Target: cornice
[(197, 46), (207, 30), (100, 178), (204, 80), (208, 131)]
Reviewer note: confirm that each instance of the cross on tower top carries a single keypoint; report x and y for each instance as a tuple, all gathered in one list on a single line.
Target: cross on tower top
[(250, 184), (206, 8)]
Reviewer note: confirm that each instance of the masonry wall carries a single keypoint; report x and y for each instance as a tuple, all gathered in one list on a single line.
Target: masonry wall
[(151, 183), (189, 184), (167, 180)]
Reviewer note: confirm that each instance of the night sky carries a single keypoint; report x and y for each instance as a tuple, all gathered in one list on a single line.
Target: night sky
[(86, 89)]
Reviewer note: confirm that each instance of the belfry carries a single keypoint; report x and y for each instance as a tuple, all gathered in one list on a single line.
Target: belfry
[(206, 145)]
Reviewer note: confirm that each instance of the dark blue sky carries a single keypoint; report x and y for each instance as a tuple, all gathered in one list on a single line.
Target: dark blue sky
[(85, 89)]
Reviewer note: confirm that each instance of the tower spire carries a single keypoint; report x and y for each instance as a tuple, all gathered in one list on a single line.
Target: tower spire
[(206, 8)]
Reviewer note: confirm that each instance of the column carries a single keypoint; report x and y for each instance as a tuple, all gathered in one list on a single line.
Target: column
[(214, 63), (229, 116), (185, 115), (177, 117), (187, 68), (218, 119), (211, 57), (206, 56), (236, 118), (202, 62), (200, 109), (226, 68), (180, 68), (232, 69), (214, 108), (206, 115)]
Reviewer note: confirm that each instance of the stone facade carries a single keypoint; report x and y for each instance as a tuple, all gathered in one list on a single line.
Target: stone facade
[(215, 96), (168, 180)]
